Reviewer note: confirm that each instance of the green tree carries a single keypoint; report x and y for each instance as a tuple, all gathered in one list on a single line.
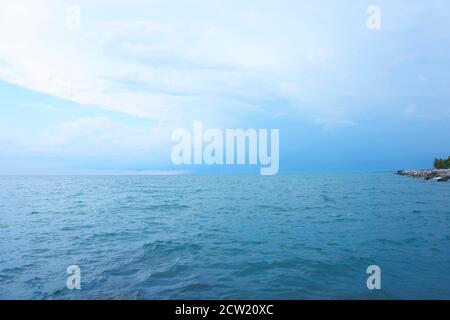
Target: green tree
[(442, 163), (436, 163)]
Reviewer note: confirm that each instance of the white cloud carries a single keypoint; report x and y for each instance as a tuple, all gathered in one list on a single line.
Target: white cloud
[(160, 67), (330, 124), (206, 60), (94, 136)]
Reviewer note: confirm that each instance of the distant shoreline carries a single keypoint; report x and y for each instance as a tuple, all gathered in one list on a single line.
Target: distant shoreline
[(427, 174)]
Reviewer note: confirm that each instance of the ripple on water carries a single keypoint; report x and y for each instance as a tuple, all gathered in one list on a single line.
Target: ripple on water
[(306, 236)]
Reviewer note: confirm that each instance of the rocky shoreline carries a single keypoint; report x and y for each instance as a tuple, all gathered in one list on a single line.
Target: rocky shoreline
[(435, 174)]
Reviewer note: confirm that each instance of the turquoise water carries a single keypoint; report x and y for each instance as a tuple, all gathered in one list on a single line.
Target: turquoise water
[(231, 237)]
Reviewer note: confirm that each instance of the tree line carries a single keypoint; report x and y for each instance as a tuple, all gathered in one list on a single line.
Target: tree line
[(442, 163)]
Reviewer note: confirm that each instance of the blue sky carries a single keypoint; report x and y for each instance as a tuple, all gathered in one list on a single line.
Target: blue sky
[(105, 97)]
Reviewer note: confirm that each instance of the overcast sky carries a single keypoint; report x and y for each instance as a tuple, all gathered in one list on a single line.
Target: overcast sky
[(105, 95)]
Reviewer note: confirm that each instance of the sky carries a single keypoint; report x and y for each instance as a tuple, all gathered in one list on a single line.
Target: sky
[(102, 91)]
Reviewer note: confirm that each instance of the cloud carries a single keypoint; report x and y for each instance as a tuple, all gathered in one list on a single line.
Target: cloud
[(98, 136), (160, 67), (434, 112), (330, 124), (216, 61), (140, 70)]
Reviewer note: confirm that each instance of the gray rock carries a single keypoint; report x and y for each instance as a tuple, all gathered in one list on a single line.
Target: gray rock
[(427, 174)]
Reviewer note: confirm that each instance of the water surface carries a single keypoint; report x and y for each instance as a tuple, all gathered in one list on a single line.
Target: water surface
[(224, 237)]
